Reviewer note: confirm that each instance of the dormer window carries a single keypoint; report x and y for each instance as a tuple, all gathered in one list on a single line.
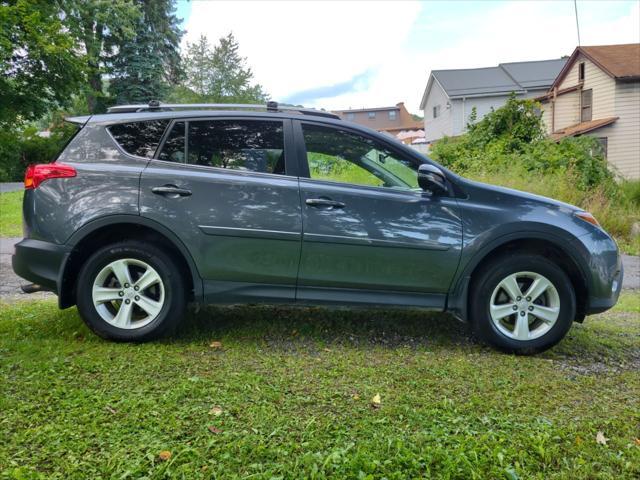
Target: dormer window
[(581, 72)]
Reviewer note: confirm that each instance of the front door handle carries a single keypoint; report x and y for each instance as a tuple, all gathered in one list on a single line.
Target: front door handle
[(324, 202), (171, 191)]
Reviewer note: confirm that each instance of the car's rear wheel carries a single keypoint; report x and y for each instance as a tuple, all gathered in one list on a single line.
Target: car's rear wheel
[(522, 303), (130, 292)]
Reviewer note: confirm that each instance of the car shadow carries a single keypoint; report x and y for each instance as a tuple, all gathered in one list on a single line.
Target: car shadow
[(292, 327)]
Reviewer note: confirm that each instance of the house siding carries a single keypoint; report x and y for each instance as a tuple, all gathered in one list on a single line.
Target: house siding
[(624, 135), (443, 125), (603, 86)]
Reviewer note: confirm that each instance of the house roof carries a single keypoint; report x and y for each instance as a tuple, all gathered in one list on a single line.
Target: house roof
[(582, 127), (621, 62)]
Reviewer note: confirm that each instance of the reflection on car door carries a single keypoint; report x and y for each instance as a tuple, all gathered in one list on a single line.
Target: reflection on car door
[(222, 186), (375, 241)]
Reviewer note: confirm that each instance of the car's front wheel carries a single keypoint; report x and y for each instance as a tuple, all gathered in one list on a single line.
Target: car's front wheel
[(522, 303), (130, 291)]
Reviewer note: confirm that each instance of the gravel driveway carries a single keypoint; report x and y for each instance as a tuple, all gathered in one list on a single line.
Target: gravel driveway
[(10, 283)]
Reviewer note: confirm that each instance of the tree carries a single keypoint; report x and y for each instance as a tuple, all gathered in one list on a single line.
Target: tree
[(39, 65), (101, 28), (218, 76), (146, 65)]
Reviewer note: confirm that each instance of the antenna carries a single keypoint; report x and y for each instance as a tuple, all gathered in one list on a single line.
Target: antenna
[(575, 7)]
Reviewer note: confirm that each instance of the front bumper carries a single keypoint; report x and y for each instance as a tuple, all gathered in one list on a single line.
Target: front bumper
[(40, 262)]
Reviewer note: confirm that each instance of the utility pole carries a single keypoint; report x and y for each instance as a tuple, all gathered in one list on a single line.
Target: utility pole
[(575, 7)]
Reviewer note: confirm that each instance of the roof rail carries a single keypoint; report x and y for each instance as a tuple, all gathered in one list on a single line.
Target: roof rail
[(156, 106)]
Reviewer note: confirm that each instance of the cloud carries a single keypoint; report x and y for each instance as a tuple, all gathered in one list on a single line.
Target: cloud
[(359, 82), (338, 55)]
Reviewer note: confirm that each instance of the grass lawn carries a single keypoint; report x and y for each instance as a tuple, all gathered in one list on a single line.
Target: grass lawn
[(288, 393), (11, 214)]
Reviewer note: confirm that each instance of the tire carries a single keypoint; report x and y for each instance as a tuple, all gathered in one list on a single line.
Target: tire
[(140, 274), (492, 296)]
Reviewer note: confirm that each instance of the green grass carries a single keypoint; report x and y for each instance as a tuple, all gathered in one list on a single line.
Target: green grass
[(294, 387), (11, 214)]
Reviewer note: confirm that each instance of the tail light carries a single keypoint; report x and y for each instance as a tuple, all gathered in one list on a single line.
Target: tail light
[(36, 174)]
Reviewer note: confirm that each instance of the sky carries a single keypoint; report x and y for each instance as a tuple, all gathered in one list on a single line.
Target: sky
[(355, 54)]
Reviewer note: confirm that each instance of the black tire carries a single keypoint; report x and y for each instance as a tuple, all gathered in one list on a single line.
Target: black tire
[(173, 307), (487, 280)]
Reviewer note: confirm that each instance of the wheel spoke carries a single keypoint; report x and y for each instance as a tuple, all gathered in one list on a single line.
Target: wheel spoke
[(546, 314), (120, 269), (510, 285), (150, 277), (123, 317), (150, 306), (521, 328), (500, 311), (104, 294), (537, 288)]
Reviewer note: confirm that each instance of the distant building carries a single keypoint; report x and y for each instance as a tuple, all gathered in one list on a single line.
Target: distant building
[(381, 118), (396, 121), (598, 92), (451, 95)]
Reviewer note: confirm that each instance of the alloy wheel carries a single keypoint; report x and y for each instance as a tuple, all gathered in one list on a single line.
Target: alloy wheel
[(128, 293), (524, 306)]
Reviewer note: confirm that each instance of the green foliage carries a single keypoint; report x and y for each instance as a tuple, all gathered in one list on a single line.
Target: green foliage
[(514, 135), (19, 148), (292, 391), (39, 64), (101, 28), (148, 63), (217, 76)]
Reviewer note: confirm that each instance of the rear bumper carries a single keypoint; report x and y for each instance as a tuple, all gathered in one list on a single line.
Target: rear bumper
[(40, 262)]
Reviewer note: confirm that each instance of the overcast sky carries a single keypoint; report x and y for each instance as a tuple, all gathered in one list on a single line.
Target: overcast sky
[(337, 55)]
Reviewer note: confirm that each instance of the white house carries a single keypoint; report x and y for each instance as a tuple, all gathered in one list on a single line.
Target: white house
[(451, 95), (598, 93)]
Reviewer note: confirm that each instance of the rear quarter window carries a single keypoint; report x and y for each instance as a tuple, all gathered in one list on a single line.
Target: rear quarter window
[(139, 138)]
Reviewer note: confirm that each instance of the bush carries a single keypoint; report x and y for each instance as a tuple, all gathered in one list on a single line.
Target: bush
[(19, 148), (514, 135)]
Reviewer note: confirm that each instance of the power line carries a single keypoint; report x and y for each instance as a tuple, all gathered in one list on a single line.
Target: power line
[(575, 6)]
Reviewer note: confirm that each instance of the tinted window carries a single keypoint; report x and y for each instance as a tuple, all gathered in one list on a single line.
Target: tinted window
[(346, 157), (139, 138), (173, 148), (256, 146)]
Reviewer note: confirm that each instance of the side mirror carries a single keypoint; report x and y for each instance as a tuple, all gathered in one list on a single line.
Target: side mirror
[(431, 179)]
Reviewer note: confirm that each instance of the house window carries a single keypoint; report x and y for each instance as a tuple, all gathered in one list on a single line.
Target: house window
[(393, 115), (604, 145), (372, 115), (436, 111), (581, 72), (351, 116), (585, 105)]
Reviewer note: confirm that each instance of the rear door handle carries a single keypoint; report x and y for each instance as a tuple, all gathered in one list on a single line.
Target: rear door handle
[(171, 191), (324, 202)]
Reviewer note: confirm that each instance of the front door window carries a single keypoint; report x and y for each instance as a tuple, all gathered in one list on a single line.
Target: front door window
[(341, 156)]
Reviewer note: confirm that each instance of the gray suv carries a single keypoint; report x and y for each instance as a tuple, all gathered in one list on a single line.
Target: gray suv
[(150, 207)]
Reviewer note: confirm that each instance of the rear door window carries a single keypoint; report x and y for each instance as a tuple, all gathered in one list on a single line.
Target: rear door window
[(139, 138), (173, 149), (249, 145)]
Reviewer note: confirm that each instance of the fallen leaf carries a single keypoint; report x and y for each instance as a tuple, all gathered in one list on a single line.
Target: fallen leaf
[(579, 440), (355, 396), (215, 430), (637, 440), (217, 411), (215, 344), (601, 439), (164, 455), (110, 409), (375, 401), (326, 349)]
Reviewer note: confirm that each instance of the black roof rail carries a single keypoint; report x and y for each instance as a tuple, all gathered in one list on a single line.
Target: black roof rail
[(156, 106)]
